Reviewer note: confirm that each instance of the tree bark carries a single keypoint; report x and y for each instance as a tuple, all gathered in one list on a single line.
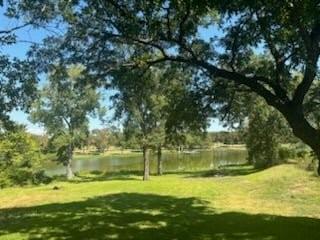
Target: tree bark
[(302, 129), (146, 164), (159, 155), (318, 156), (292, 110), (69, 172)]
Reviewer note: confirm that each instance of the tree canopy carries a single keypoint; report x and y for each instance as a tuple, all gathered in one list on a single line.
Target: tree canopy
[(63, 109), (20, 159), (136, 33), (18, 77), (217, 41)]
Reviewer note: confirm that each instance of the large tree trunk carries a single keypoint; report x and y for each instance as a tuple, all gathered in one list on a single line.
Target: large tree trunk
[(318, 156), (146, 164), (69, 172), (303, 130), (159, 155), (292, 110)]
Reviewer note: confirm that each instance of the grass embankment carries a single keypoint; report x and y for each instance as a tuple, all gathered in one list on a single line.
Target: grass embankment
[(282, 202)]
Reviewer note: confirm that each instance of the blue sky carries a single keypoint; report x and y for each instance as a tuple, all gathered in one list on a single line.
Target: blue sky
[(27, 35)]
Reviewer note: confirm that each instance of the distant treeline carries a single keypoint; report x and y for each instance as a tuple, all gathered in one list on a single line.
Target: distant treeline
[(102, 140), (234, 137)]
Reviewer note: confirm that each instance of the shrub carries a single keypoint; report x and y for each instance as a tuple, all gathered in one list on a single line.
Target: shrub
[(266, 130), (20, 159), (261, 141), (286, 153)]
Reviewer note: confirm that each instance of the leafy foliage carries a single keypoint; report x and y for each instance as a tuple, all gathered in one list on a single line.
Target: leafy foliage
[(17, 86), (18, 77), (140, 102), (232, 137), (265, 132), (107, 35), (63, 109), (101, 139), (20, 159)]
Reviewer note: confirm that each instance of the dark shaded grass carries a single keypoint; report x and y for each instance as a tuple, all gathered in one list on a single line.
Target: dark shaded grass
[(222, 171), (147, 216), (227, 170)]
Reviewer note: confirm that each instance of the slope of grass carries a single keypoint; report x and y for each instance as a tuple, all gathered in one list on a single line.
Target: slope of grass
[(282, 202)]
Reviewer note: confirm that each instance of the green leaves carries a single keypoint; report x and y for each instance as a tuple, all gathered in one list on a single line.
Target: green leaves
[(266, 131), (17, 86), (64, 107), (101, 139), (19, 158), (141, 103), (108, 37)]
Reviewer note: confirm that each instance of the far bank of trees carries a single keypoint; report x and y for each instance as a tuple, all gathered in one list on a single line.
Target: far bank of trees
[(110, 139), (227, 137)]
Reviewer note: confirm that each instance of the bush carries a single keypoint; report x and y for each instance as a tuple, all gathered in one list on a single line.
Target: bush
[(40, 177), (20, 159), (266, 130), (286, 153), (261, 140)]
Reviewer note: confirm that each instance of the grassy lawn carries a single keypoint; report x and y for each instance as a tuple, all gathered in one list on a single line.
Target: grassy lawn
[(282, 202)]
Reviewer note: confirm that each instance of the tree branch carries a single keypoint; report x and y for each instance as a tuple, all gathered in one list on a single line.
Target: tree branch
[(14, 28), (313, 51), (251, 82), (183, 21)]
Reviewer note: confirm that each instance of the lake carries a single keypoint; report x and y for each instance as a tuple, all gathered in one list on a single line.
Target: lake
[(172, 161)]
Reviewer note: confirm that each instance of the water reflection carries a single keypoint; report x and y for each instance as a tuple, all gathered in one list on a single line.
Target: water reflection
[(172, 161)]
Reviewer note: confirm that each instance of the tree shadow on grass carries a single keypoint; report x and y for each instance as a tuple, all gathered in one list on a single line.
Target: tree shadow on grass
[(97, 176), (232, 170), (222, 171), (145, 216)]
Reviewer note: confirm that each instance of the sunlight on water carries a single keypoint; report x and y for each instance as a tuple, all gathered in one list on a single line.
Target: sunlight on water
[(171, 162)]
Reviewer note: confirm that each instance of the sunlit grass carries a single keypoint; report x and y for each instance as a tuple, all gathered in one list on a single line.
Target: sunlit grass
[(282, 202)]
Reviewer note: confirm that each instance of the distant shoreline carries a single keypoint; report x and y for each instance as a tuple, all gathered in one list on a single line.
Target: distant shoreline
[(135, 152)]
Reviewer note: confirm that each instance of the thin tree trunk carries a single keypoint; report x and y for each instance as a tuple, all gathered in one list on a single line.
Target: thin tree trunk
[(159, 155), (69, 172), (250, 157), (146, 164)]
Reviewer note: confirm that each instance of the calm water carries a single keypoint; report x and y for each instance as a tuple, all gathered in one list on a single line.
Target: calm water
[(171, 162)]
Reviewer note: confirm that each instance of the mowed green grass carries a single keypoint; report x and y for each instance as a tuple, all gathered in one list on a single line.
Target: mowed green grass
[(282, 202)]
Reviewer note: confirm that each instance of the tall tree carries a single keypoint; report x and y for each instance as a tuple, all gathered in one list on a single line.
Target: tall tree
[(157, 106), (63, 109), (141, 102)]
